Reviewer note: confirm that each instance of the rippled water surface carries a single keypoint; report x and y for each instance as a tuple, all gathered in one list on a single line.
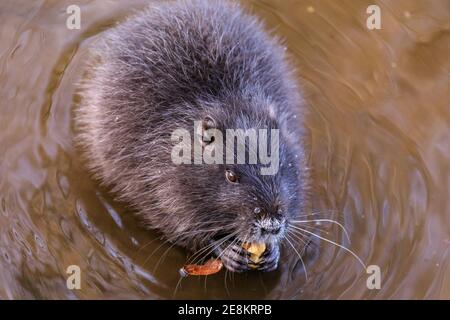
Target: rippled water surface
[(379, 115)]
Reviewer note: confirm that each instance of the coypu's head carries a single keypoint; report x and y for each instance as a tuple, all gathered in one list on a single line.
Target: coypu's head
[(247, 200)]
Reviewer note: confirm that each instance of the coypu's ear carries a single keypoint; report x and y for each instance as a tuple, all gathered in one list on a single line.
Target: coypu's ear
[(205, 130)]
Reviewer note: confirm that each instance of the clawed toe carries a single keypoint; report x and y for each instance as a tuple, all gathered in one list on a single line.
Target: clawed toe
[(234, 258), (237, 259)]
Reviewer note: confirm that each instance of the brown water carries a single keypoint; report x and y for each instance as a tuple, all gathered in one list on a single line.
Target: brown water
[(379, 124)]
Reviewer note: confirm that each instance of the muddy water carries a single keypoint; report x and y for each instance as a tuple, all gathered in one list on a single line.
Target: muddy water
[(379, 132)]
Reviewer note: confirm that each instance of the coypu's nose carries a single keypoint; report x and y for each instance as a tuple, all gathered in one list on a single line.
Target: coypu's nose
[(270, 226)]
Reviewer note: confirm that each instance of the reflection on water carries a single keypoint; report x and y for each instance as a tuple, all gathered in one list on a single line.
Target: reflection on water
[(379, 132)]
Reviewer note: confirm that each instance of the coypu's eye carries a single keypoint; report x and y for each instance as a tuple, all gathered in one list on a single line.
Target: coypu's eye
[(231, 176)]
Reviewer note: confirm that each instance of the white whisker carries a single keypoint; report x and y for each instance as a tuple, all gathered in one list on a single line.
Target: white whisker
[(325, 220), (332, 242), (299, 255)]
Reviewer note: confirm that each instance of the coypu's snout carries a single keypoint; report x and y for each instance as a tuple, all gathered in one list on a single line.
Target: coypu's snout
[(270, 227)]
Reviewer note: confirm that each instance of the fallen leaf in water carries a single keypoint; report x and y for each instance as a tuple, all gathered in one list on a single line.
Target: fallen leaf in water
[(210, 267)]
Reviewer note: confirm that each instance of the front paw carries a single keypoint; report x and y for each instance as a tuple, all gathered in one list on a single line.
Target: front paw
[(234, 257), (269, 259)]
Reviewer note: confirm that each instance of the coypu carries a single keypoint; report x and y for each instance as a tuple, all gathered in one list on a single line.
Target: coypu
[(165, 68)]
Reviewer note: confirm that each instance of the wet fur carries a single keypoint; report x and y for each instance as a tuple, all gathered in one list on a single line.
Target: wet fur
[(166, 67)]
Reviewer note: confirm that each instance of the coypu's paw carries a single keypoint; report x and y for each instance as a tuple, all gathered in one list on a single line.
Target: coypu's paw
[(234, 257), (269, 259), (237, 259)]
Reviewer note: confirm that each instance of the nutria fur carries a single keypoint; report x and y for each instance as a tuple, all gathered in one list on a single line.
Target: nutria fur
[(180, 62)]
